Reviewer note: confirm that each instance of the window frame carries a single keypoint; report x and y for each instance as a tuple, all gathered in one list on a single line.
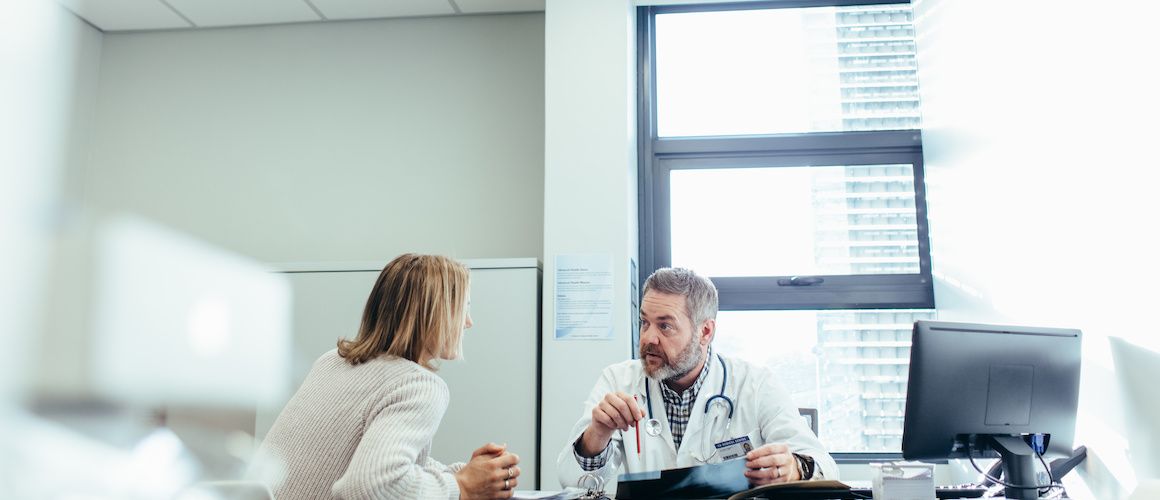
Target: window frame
[(659, 156)]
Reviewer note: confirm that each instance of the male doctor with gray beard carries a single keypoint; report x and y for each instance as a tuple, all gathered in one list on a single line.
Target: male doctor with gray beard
[(693, 406)]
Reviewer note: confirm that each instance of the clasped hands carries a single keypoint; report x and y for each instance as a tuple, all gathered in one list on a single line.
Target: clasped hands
[(491, 473)]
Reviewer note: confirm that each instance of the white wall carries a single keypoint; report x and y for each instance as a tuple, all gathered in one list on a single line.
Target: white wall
[(589, 191), (336, 141), (1041, 175)]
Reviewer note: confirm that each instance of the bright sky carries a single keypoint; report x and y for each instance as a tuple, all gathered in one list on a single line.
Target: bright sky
[(741, 72)]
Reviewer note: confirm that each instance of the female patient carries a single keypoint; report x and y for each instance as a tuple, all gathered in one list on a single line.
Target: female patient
[(361, 424)]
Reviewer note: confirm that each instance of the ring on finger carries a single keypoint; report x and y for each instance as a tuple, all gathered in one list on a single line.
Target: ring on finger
[(505, 484), (777, 472), (510, 473)]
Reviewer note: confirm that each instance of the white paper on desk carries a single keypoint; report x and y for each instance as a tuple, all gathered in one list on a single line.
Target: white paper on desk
[(568, 494)]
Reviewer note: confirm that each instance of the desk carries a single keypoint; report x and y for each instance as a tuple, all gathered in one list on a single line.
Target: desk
[(854, 493)]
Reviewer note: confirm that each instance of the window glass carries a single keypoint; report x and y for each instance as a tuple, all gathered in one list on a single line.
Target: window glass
[(784, 221), (784, 143), (772, 71), (850, 365)]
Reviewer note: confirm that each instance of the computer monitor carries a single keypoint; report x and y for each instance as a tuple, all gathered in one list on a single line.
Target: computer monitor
[(988, 390)]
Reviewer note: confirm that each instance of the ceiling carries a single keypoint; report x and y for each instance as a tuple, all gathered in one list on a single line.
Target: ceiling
[(136, 15)]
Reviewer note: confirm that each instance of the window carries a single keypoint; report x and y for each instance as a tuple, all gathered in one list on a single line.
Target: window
[(850, 365), (776, 221), (781, 156)]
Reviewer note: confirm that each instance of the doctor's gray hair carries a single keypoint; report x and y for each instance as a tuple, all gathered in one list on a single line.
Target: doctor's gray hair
[(700, 294)]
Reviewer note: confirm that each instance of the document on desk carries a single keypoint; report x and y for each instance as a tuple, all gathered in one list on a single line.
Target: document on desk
[(567, 494), (703, 481)]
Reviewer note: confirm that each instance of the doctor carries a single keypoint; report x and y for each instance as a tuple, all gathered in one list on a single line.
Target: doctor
[(692, 405)]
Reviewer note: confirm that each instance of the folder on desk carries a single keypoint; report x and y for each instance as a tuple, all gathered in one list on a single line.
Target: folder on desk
[(800, 490), (723, 480), (703, 481)]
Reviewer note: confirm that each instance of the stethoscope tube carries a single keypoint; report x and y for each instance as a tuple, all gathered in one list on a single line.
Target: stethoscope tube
[(653, 426), (721, 394)]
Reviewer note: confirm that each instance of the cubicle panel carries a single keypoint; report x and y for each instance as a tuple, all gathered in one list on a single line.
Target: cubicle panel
[(493, 389)]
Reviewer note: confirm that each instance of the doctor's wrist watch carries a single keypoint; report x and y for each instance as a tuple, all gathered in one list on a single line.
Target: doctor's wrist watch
[(805, 466)]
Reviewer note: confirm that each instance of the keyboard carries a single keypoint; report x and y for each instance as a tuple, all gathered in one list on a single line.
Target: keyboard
[(947, 492), (959, 491)]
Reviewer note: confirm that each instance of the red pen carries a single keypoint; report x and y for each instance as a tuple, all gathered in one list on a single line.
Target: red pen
[(637, 430)]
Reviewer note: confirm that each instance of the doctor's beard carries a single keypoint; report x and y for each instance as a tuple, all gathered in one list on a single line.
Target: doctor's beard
[(686, 360)]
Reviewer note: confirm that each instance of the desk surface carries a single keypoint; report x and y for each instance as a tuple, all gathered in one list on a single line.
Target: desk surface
[(855, 493)]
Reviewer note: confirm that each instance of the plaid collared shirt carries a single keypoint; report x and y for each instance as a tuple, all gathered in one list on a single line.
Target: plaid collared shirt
[(678, 407)]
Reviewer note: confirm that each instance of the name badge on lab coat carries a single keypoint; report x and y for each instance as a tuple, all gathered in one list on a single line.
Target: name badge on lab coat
[(733, 448)]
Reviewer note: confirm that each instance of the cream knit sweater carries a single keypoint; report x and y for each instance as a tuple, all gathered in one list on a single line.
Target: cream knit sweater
[(362, 432)]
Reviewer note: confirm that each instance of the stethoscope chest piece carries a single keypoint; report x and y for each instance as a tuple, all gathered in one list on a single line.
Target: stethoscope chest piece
[(653, 427)]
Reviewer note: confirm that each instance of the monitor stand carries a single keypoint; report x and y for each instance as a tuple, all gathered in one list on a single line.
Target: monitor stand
[(1018, 466)]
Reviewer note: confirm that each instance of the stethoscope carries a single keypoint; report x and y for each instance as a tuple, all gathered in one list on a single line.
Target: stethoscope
[(652, 426)]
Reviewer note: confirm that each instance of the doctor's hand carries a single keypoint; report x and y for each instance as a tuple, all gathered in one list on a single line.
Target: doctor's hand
[(491, 473), (617, 411), (772, 463)]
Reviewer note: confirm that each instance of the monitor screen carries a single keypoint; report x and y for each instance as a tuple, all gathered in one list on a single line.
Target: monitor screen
[(974, 387)]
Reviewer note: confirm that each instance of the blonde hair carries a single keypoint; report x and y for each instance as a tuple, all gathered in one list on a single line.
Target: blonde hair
[(415, 311)]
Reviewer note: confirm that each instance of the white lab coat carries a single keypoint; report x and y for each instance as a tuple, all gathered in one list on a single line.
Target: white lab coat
[(763, 411)]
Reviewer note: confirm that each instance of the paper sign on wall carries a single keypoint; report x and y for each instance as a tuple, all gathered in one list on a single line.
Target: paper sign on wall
[(583, 297)]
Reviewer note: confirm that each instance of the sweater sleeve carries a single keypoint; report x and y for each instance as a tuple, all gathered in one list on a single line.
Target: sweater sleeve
[(386, 463), (435, 465)]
